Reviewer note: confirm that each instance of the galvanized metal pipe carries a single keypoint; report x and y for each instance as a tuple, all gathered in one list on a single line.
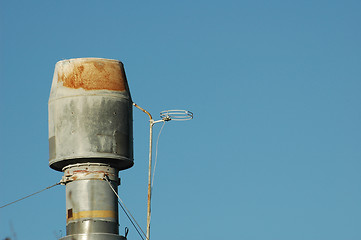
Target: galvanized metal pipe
[(90, 137), (92, 207), (90, 114)]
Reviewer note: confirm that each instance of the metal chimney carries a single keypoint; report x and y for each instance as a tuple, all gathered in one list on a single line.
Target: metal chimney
[(90, 138)]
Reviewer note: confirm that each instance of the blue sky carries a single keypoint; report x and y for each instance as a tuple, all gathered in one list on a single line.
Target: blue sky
[(273, 151)]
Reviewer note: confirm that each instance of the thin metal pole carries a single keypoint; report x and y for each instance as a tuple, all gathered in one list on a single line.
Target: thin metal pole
[(149, 176), (165, 117), (151, 123)]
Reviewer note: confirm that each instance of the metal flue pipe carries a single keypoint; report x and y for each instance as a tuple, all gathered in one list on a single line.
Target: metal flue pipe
[(90, 138)]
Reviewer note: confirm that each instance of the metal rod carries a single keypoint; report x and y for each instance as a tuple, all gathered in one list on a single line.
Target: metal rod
[(143, 110), (151, 123), (149, 177)]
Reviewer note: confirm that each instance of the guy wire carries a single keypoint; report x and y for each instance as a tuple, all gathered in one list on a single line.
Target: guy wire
[(31, 195), (126, 211)]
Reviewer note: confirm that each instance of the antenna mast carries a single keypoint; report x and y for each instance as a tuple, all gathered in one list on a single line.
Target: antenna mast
[(177, 115)]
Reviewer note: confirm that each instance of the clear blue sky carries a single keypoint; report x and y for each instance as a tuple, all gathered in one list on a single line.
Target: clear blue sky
[(274, 149)]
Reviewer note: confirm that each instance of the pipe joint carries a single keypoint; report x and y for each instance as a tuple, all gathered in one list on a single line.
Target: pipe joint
[(90, 171)]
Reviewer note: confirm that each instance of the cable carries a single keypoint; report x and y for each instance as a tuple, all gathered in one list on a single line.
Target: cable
[(31, 195), (156, 158), (126, 211), (131, 220), (156, 154)]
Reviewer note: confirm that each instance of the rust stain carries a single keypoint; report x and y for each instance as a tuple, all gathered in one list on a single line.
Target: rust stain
[(92, 214), (88, 172), (93, 74), (99, 66), (81, 69)]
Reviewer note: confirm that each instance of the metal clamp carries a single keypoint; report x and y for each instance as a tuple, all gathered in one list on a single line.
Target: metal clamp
[(89, 171)]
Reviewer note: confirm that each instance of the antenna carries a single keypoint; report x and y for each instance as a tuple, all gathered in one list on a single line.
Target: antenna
[(176, 115), (166, 116)]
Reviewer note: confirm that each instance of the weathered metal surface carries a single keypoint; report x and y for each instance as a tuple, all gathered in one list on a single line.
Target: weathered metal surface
[(90, 171), (90, 139), (90, 114), (91, 205), (90, 214), (92, 74), (94, 225), (94, 236)]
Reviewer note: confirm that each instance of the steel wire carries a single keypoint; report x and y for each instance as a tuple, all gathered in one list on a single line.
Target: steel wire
[(156, 154), (30, 195), (126, 210)]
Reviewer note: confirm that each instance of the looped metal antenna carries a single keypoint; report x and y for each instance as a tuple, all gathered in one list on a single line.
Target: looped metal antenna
[(176, 115)]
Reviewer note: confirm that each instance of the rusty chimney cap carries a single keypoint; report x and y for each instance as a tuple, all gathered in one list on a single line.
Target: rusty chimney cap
[(91, 74)]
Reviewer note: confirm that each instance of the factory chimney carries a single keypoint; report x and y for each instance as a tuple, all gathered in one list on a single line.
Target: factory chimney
[(90, 139)]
